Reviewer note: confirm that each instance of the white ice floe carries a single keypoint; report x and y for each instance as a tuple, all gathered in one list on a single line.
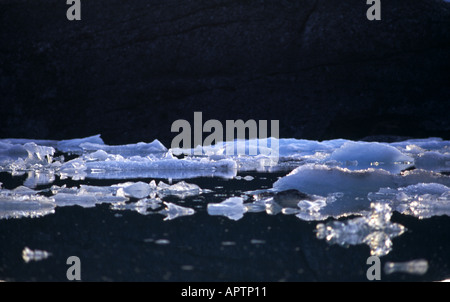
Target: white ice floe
[(24, 205), (355, 186), (144, 167), (67, 146), (154, 148), (233, 208), (374, 229), (433, 161)]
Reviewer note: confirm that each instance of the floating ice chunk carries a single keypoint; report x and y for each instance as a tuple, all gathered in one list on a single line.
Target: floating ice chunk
[(181, 189), (374, 229), (363, 155), (11, 152), (76, 169), (148, 168), (173, 211), (233, 208), (19, 191), (142, 206), (98, 190), (433, 161), (415, 267), (24, 205), (39, 154), (67, 146), (139, 149), (39, 178), (420, 200), (74, 145), (65, 199), (323, 180), (429, 144), (21, 157), (136, 190), (34, 255)]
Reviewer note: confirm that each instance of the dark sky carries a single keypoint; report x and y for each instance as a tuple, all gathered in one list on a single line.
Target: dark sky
[(129, 69)]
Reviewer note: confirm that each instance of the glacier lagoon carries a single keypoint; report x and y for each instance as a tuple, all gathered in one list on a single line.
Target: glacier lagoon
[(315, 212)]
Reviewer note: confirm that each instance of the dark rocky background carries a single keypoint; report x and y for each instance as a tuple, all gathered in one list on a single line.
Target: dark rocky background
[(129, 69)]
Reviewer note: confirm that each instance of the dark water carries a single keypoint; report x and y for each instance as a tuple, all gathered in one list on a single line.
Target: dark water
[(127, 246)]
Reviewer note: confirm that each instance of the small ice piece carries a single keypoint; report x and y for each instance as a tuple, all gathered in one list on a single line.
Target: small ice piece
[(75, 168), (19, 206), (39, 154), (289, 211), (181, 189), (414, 267), (162, 241), (233, 208), (374, 229), (248, 178), (141, 206), (137, 190), (257, 241), (256, 206), (273, 208), (173, 211), (34, 255), (98, 190), (65, 199)]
